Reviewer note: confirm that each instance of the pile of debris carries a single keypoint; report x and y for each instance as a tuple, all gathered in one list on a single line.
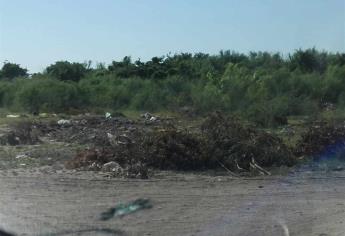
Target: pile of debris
[(86, 130), (221, 142), (320, 137), (171, 149), (149, 118), (21, 133), (109, 161), (94, 129), (242, 148)]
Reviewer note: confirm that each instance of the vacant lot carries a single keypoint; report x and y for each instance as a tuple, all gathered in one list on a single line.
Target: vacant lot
[(311, 203), (39, 196)]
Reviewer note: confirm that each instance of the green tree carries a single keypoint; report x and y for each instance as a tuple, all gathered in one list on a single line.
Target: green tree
[(11, 70), (64, 70), (309, 60)]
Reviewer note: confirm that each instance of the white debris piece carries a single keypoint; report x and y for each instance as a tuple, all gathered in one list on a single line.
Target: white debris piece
[(153, 119), (107, 115), (22, 156), (64, 122), (94, 166), (13, 116), (149, 117), (112, 166), (146, 115)]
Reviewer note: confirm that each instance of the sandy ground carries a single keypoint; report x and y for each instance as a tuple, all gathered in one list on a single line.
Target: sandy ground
[(45, 203)]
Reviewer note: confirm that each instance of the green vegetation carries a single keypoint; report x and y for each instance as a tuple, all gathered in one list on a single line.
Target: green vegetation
[(10, 71), (262, 87)]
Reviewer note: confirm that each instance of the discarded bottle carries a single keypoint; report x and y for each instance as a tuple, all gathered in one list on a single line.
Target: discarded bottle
[(121, 210)]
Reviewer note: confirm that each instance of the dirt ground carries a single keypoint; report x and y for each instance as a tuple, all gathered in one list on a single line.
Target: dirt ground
[(38, 196), (47, 202)]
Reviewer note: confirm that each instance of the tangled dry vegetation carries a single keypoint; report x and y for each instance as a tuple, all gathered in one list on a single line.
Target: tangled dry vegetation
[(133, 149), (220, 143), (321, 137), (238, 146), (20, 133)]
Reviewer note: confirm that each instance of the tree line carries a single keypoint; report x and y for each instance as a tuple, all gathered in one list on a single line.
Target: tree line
[(260, 86)]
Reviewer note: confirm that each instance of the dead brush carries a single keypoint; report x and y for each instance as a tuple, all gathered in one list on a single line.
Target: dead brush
[(170, 148), (24, 132), (224, 142), (319, 136), (88, 157), (242, 148)]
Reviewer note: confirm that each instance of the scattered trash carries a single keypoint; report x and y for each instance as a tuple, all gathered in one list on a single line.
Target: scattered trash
[(89, 159), (146, 115), (107, 115), (22, 156), (110, 136), (153, 119), (112, 167), (121, 210), (95, 166), (220, 142), (64, 122), (149, 117), (12, 116), (132, 148), (91, 130)]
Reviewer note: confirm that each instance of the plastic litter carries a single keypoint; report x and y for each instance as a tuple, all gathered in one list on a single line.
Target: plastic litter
[(107, 115), (13, 116), (121, 210), (64, 122), (153, 119), (22, 156), (149, 117), (146, 115), (112, 167)]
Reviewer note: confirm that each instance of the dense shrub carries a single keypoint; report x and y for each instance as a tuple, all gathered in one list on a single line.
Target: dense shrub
[(64, 70), (46, 95), (263, 87)]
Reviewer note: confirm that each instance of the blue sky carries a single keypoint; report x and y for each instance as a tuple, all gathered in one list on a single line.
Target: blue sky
[(36, 33)]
